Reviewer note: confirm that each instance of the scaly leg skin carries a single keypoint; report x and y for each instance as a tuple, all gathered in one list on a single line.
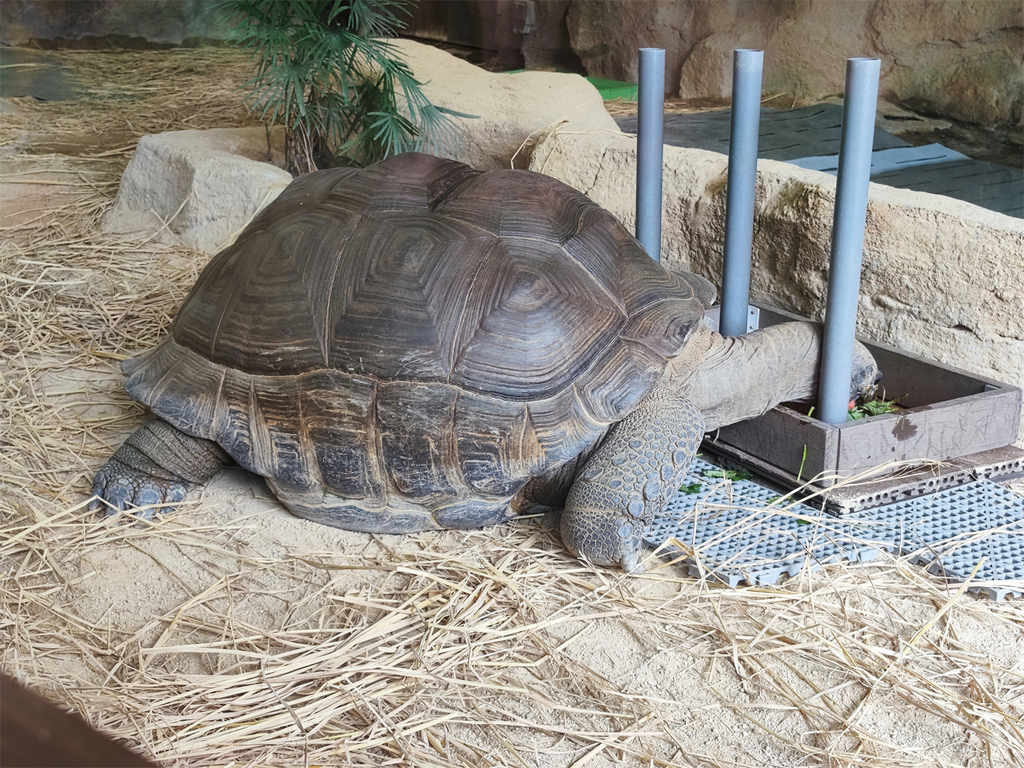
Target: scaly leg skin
[(629, 479), (157, 464)]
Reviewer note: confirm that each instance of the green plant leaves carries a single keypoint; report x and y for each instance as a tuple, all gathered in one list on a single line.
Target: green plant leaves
[(873, 408), (728, 474), (325, 71)]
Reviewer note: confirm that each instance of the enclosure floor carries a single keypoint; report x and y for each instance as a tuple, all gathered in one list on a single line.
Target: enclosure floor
[(229, 632)]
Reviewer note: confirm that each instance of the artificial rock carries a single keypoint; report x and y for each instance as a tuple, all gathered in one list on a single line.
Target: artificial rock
[(204, 186), (510, 110), (957, 59)]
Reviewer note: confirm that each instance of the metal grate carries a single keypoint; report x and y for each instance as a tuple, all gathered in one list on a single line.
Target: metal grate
[(724, 530)]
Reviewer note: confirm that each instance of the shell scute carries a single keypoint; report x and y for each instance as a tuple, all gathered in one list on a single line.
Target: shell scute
[(417, 440), (533, 306), (497, 444), (337, 414)]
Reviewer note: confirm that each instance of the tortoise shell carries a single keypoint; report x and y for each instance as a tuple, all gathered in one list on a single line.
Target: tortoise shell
[(404, 346)]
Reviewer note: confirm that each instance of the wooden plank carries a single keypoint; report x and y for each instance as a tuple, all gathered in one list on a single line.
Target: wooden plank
[(938, 432), (998, 465), (796, 444), (910, 378), (915, 381), (429, 21)]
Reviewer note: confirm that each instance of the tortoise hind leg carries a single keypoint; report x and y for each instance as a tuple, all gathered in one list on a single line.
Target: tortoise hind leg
[(157, 464), (629, 478)]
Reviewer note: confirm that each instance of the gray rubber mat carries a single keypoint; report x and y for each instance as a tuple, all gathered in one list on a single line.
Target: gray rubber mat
[(988, 185), (941, 171), (33, 73), (810, 136), (729, 526), (783, 134)]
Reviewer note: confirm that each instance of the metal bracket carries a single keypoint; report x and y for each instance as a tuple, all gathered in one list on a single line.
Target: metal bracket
[(711, 315)]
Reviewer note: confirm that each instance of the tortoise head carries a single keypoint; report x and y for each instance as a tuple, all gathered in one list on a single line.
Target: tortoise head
[(866, 374)]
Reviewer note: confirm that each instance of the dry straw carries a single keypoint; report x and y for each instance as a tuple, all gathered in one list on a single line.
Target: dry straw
[(228, 633)]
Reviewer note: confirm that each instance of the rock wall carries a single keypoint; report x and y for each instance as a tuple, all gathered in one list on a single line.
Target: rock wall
[(957, 58), (940, 278), (545, 39), (171, 22), (606, 35)]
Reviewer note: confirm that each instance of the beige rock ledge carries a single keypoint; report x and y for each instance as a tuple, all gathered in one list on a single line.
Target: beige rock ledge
[(202, 186), (941, 278), (510, 109)]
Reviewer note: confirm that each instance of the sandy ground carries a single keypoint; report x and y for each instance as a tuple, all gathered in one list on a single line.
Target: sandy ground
[(230, 633)]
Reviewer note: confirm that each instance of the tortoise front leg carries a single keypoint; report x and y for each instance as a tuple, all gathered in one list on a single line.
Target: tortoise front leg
[(157, 464), (629, 478)]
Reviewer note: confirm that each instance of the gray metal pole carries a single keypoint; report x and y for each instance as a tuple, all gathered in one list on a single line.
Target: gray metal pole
[(649, 149), (739, 202), (848, 238)]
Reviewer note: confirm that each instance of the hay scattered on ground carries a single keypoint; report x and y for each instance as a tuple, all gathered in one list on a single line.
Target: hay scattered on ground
[(127, 94), (232, 633)]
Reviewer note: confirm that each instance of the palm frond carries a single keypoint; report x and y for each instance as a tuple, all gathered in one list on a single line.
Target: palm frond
[(325, 69)]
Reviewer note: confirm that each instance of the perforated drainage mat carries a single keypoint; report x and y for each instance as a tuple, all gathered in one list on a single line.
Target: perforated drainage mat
[(739, 531)]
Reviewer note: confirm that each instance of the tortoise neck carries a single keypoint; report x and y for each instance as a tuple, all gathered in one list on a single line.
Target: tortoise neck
[(734, 379)]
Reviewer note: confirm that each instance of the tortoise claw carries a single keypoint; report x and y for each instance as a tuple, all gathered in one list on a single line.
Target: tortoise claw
[(631, 564), (119, 488)]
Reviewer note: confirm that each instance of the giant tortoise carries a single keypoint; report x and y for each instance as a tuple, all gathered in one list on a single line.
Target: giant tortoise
[(419, 345)]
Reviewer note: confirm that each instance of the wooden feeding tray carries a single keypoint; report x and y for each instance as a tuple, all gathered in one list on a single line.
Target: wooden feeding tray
[(967, 422)]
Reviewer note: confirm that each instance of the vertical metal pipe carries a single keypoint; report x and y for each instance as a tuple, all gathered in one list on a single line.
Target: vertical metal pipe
[(739, 202), (649, 149), (848, 238)]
